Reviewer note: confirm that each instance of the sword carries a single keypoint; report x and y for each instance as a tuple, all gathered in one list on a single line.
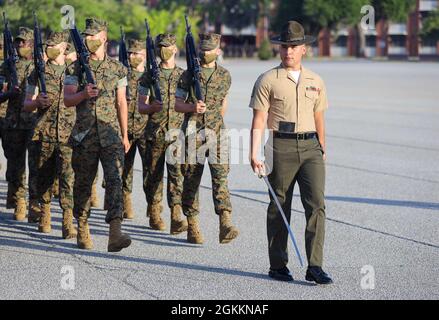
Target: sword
[(293, 239)]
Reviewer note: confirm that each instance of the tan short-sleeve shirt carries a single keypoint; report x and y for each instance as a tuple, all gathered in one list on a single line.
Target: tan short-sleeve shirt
[(277, 93)]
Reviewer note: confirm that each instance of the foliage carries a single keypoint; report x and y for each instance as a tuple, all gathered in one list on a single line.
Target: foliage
[(265, 52)]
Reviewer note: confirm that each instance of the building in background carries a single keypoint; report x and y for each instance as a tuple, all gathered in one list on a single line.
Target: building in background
[(387, 40), (403, 40)]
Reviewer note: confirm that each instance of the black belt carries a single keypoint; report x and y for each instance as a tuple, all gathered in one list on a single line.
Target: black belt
[(295, 136)]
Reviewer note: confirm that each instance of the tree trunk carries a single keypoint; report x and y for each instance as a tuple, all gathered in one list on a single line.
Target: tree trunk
[(413, 33), (324, 43), (382, 38)]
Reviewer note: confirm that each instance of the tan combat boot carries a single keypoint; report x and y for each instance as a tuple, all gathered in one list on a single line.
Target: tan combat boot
[(94, 199), (117, 240), (20, 210), (193, 231), (68, 229), (127, 207), (177, 224), (44, 224), (227, 232), (35, 212), (84, 238), (155, 219)]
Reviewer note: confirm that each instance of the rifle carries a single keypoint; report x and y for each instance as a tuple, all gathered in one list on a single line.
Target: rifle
[(151, 64), (83, 54), (10, 55), (38, 56), (123, 57), (193, 62)]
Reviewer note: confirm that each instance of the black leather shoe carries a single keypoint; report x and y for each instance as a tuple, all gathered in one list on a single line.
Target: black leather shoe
[(281, 274), (317, 275)]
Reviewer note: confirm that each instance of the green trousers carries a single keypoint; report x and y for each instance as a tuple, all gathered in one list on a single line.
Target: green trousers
[(298, 161)]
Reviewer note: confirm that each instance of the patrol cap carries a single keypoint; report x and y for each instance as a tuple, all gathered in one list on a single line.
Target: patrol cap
[(209, 41), (166, 40), (25, 34), (94, 26), (135, 45), (57, 37)]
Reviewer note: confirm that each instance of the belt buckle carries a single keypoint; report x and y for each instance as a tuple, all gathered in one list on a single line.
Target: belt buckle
[(299, 136)]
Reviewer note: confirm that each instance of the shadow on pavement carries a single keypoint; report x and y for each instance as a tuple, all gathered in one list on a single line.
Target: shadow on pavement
[(51, 243), (380, 202)]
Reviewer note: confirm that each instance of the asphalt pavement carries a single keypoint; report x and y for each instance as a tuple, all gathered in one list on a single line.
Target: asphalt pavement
[(382, 199)]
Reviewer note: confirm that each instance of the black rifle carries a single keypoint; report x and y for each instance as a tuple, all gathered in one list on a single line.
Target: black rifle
[(193, 62), (10, 55), (83, 54), (151, 64), (123, 57), (38, 57)]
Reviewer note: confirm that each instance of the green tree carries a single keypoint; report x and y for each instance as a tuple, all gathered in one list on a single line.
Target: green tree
[(49, 14), (430, 27), (127, 13), (331, 14), (265, 52), (393, 10), (291, 10)]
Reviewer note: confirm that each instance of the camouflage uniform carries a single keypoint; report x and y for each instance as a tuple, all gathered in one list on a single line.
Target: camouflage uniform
[(136, 124), (96, 134), (52, 131), (18, 131), (158, 125), (136, 135), (214, 89)]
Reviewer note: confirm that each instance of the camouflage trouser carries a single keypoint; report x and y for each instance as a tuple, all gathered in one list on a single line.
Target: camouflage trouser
[(56, 160), (17, 141), (127, 178), (85, 162), (220, 189), (218, 159), (127, 175), (155, 165)]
